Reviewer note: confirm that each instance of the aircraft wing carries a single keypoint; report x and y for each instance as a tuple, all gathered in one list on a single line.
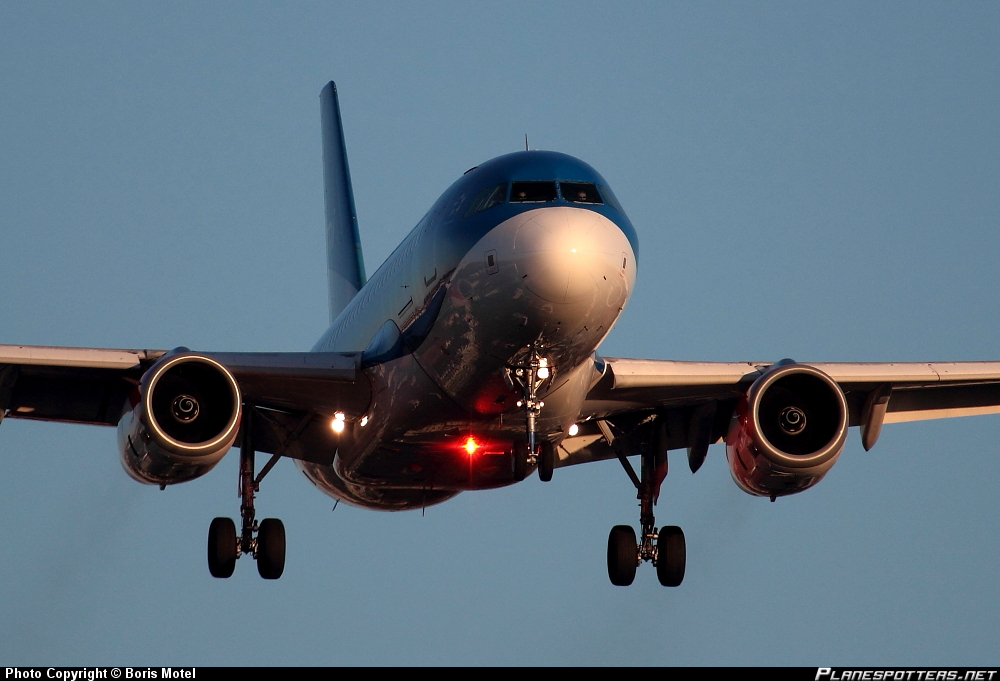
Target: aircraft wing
[(698, 398), (91, 385)]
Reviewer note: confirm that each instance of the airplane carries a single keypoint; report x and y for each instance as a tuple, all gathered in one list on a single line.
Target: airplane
[(468, 361)]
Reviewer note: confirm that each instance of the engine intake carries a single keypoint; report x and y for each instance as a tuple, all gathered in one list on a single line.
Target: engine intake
[(787, 432), (181, 420)]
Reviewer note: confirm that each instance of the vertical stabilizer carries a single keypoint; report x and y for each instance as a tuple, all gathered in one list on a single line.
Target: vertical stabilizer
[(344, 262)]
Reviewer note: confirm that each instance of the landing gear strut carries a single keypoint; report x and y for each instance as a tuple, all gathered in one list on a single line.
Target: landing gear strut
[(530, 451), (268, 546), (666, 549)]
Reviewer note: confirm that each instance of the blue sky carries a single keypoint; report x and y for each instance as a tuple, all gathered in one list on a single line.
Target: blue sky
[(809, 181)]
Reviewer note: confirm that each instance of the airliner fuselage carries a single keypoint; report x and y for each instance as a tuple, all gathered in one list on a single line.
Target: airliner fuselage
[(527, 252)]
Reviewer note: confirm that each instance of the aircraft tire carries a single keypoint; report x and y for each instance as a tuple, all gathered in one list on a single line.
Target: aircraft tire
[(222, 548), (271, 548), (520, 459), (546, 461), (623, 555), (671, 555)]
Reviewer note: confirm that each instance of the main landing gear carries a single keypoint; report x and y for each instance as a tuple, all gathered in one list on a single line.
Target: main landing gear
[(268, 547), (665, 549), (528, 452)]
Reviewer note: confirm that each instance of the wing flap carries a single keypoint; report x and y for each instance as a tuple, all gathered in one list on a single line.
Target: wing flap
[(73, 385), (942, 401), (71, 395)]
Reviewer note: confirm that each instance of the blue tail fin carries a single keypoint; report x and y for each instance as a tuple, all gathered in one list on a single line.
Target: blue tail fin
[(344, 261)]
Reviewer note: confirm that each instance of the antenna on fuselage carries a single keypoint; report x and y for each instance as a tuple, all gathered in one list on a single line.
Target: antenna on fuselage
[(525, 141)]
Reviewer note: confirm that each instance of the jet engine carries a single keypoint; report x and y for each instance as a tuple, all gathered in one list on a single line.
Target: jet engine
[(787, 432), (180, 421)]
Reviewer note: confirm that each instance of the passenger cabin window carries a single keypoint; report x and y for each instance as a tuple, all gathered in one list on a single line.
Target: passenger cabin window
[(487, 198), (580, 192), (532, 192)]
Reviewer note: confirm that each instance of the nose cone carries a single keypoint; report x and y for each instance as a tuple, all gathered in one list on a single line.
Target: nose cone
[(564, 255)]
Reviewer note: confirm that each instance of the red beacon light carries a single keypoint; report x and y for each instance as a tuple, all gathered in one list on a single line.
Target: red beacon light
[(470, 445)]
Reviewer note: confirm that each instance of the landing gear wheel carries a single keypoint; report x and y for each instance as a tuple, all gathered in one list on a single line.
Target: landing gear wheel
[(520, 459), (623, 556), (671, 554), (222, 547), (546, 461), (271, 548)]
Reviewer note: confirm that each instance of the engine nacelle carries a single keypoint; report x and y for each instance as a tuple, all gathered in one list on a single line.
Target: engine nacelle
[(787, 432), (180, 421)]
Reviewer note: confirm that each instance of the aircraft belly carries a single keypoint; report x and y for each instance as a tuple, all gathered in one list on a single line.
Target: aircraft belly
[(378, 498)]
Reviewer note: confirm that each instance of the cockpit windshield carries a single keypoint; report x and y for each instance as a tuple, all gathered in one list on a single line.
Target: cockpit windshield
[(539, 191), (580, 192), (532, 192)]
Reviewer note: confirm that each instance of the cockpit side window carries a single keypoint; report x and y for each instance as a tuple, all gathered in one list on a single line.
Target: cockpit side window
[(611, 199), (487, 198), (580, 192), (532, 192)]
